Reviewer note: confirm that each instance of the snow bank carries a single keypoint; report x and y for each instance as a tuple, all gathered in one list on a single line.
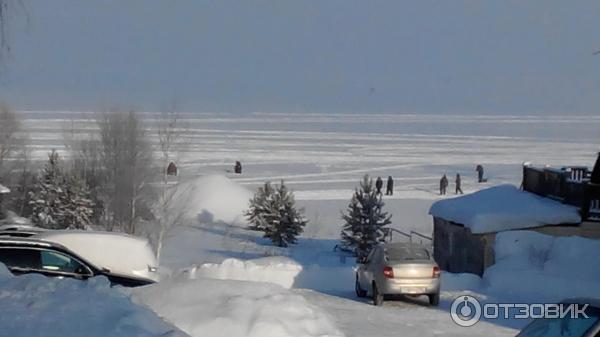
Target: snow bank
[(503, 207), (33, 305), (460, 281), (277, 270), (207, 307), (531, 265), (213, 198)]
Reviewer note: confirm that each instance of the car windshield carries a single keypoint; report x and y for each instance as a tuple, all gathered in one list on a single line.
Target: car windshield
[(406, 253), (563, 327)]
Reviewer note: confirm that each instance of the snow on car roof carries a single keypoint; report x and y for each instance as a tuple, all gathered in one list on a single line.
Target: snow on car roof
[(117, 252), (503, 207)]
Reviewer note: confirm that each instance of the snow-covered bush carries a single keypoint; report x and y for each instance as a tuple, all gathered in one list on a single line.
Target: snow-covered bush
[(273, 211), (364, 220)]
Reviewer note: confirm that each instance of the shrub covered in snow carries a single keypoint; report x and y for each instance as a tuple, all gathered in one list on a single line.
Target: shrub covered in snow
[(364, 220)]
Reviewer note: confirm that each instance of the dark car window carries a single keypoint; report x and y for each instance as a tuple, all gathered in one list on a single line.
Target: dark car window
[(406, 253), (55, 261), (20, 257), (562, 327)]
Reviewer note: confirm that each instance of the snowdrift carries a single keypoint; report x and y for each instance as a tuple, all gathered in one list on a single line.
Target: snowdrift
[(503, 207), (208, 307), (533, 265), (34, 305), (213, 198), (277, 270)]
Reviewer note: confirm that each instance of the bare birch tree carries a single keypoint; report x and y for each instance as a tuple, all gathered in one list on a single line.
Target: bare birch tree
[(169, 210), (127, 159), (9, 141)]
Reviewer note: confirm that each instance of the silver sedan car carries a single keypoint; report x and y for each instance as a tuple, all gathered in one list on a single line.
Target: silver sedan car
[(398, 269)]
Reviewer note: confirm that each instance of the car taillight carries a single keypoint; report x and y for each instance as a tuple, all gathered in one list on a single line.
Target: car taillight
[(388, 272), (436, 271)]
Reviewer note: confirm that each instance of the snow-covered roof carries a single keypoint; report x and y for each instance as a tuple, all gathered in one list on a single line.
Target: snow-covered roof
[(117, 252), (4, 189), (503, 207)]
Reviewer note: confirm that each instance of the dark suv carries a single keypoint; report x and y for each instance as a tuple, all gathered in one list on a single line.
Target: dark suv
[(38, 252)]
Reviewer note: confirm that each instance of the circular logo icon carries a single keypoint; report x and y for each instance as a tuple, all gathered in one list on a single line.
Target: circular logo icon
[(465, 310)]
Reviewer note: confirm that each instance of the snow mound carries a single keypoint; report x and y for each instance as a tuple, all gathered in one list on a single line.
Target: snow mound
[(34, 305), (503, 207), (460, 281), (549, 268), (277, 270), (213, 198), (205, 307)]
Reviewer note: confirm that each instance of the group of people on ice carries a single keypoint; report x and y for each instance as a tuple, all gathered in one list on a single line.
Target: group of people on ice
[(389, 188), (458, 181)]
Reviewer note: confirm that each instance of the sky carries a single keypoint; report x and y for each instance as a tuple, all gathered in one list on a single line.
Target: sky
[(320, 56)]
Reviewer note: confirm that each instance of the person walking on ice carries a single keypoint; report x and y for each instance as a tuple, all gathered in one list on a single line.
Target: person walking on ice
[(458, 183), (443, 185), (390, 186), (379, 185), (479, 170)]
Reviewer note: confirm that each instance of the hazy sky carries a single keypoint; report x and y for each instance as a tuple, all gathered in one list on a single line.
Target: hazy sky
[(506, 57)]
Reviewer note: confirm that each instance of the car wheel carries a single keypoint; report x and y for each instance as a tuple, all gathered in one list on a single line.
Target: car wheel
[(434, 299), (360, 292), (377, 296)]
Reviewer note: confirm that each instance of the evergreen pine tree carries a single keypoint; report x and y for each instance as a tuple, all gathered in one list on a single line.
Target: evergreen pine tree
[(289, 222), (273, 211), (59, 201), (260, 212), (365, 220)]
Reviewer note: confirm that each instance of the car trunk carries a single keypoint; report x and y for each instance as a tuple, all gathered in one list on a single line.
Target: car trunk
[(417, 269)]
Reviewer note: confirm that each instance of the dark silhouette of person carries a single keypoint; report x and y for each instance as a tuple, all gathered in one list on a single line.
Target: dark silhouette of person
[(458, 182), (479, 170), (238, 167), (390, 186), (443, 185), (378, 185)]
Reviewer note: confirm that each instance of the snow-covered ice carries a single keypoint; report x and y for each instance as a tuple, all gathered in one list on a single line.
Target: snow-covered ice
[(502, 208)]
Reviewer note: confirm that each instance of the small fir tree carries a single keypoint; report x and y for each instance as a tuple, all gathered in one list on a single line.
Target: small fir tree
[(59, 201), (262, 206), (273, 211), (365, 221)]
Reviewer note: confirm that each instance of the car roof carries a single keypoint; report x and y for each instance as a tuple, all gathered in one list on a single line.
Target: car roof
[(106, 249)]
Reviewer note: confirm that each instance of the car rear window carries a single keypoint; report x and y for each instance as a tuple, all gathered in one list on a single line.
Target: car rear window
[(24, 258), (406, 253)]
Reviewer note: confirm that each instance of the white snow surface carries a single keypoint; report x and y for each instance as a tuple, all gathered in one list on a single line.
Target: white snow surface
[(213, 198), (4, 189), (34, 305), (210, 307), (503, 207), (278, 270), (534, 266), (108, 250)]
